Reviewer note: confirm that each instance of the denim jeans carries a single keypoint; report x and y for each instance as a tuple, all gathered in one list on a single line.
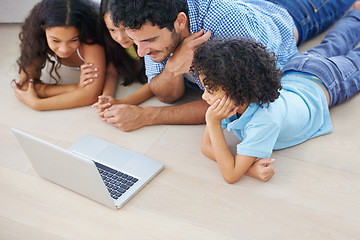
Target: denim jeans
[(335, 61), (314, 16)]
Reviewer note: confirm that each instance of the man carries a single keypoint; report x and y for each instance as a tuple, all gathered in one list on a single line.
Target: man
[(167, 32)]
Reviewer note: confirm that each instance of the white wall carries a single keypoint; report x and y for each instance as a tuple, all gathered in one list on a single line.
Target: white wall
[(15, 11)]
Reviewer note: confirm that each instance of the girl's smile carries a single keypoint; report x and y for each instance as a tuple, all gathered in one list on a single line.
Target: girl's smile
[(63, 41)]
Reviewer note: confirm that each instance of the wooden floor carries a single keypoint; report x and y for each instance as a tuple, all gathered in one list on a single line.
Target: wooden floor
[(315, 193)]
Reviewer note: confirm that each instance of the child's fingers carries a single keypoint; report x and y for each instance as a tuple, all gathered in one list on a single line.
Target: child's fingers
[(31, 87), (226, 106), (232, 112), (104, 106), (103, 99), (266, 161), (95, 105), (85, 66), (215, 104), (89, 75), (87, 82)]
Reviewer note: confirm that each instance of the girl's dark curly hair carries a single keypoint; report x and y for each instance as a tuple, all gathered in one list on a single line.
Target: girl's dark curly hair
[(130, 69), (81, 14), (243, 68)]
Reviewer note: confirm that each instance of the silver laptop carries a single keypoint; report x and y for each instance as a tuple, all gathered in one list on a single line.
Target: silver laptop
[(92, 167)]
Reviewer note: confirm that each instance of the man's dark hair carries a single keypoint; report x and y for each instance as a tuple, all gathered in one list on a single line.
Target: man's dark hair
[(134, 14), (243, 68)]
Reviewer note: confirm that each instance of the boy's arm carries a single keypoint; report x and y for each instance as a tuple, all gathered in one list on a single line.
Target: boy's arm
[(215, 147), (261, 169), (232, 167), (206, 147)]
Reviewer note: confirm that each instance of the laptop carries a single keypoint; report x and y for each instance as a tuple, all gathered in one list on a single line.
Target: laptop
[(92, 167)]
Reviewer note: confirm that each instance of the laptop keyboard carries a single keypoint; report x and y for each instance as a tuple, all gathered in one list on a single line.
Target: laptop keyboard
[(116, 182)]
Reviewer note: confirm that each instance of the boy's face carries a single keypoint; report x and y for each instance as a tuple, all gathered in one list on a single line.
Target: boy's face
[(211, 96)]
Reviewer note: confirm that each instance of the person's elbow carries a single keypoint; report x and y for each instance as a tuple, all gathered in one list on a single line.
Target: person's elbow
[(91, 96), (231, 178), (170, 97)]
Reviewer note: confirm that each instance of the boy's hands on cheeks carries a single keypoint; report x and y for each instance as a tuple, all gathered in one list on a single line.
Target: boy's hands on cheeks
[(88, 74), (220, 109)]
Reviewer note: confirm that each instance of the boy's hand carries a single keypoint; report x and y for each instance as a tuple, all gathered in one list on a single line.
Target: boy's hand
[(88, 74), (221, 109), (262, 169)]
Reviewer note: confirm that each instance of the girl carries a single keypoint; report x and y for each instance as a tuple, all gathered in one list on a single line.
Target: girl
[(66, 34), (122, 60)]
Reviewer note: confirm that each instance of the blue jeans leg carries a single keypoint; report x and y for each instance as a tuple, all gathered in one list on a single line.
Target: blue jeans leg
[(315, 16), (342, 38), (335, 61)]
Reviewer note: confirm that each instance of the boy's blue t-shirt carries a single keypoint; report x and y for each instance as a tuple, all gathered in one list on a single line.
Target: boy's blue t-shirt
[(300, 113)]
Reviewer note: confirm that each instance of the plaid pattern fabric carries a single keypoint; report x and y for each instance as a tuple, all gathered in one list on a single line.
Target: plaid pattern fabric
[(260, 20)]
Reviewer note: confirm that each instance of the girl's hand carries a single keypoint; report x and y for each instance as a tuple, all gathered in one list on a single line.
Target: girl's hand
[(104, 103), (221, 109), (28, 96), (88, 74), (262, 169)]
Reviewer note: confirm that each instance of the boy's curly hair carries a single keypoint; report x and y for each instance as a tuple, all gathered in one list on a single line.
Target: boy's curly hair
[(244, 69)]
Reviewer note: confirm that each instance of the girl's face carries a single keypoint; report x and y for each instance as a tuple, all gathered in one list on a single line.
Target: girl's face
[(117, 33), (63, 41), (211, 96)]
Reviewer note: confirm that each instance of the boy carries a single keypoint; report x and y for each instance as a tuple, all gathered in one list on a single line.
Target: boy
[(266, 111)]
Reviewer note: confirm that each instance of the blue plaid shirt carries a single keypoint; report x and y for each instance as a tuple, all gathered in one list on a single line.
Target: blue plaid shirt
[(260, 20)]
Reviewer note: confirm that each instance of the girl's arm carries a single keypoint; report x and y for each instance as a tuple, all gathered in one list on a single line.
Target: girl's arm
[(88, 74), (111, 80), (87, 95), (139, 96)]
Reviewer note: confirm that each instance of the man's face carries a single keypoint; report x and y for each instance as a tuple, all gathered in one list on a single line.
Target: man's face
[(155, 42)]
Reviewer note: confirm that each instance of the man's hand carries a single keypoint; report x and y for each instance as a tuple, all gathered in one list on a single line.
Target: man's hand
[(125, 117), (180, 62)]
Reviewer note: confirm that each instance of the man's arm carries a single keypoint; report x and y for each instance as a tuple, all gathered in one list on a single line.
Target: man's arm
[(169, 86), (130, 117)]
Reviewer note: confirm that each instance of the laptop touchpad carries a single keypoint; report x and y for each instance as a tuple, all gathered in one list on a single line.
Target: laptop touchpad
[(114, 156)]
